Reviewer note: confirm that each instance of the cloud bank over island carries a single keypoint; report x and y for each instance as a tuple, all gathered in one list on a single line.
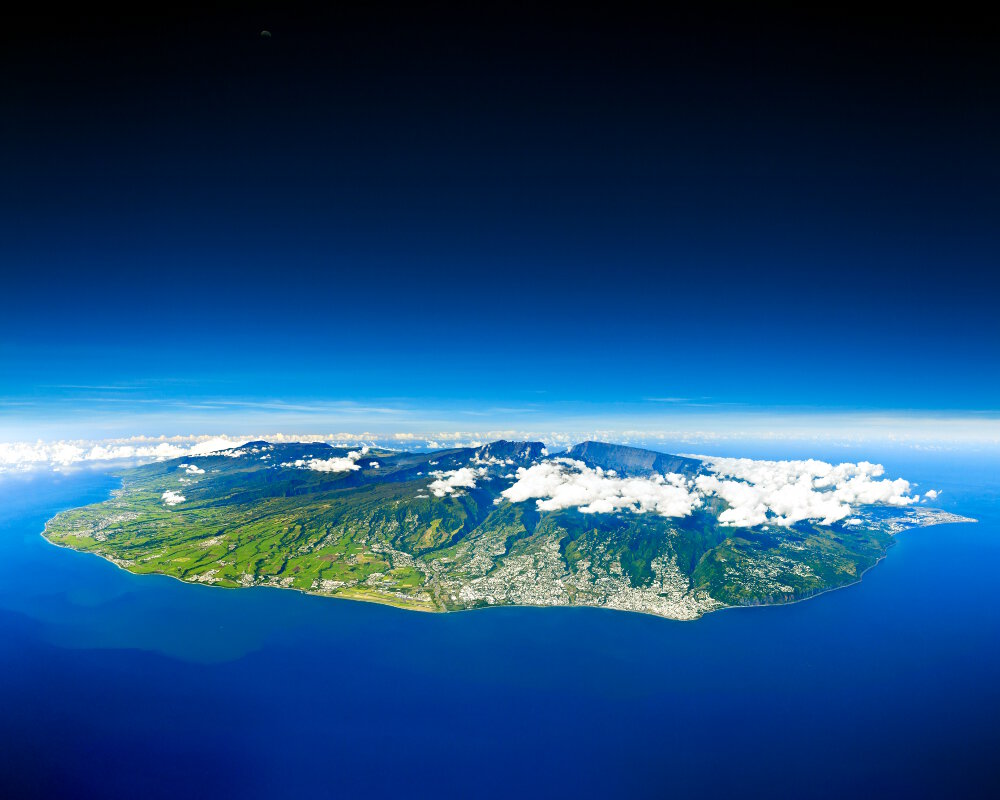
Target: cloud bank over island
[(718, 431), (25, 456), (753, 492), (565, 483), (750, 492), (756, 492), (786, 492)]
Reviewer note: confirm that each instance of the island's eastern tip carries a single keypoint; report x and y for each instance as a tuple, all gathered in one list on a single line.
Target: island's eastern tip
[(651, 353), (507, 523)]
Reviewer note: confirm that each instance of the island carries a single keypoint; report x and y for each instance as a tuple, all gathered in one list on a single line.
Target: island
[(506, 523)]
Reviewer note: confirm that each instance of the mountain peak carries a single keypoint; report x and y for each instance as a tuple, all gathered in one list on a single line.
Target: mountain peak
[(517, 451), (631, 460)]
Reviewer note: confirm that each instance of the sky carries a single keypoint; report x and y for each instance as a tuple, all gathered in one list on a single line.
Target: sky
[(420, 217)]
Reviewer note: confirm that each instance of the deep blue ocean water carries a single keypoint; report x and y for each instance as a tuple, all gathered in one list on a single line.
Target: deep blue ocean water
[(118, 685)]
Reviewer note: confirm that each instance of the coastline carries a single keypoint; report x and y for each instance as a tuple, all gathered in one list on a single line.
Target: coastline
[(433, 608), (360, 598)]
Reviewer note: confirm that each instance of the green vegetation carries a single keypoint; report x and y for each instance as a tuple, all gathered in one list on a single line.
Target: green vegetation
[(259, 516)]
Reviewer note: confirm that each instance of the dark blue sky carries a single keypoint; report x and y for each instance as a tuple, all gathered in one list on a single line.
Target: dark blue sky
[(477, 210)]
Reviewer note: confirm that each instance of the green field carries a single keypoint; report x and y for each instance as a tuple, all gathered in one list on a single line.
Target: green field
[(252, 517)]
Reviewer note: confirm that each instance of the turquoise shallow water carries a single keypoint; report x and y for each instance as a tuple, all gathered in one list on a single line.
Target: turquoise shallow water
[(117, 684)]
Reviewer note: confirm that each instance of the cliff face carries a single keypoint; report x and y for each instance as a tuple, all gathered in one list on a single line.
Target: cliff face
[(632, 460), (516, 451), (439, 531)]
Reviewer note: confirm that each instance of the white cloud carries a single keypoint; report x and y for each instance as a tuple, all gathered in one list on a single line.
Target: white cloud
[(895, 429), (488, 461), (191, 469), (27, 455), (373, 464), (215, 445), (786, 492), (346, 463), (778, 492), (451, 481), (24, 456), (172, 498), (756, 492), (565, 483)]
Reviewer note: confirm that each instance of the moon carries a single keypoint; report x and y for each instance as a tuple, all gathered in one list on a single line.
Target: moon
[(265, 34)]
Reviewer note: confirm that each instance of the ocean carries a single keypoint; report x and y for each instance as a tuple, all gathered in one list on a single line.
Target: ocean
[(117, 685)]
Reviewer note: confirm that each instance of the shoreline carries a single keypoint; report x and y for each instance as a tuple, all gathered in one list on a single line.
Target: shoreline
[(436, 610), (432, 608)]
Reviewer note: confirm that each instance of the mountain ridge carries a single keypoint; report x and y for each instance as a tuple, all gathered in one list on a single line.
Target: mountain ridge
[(629, 460), (495, 524)]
